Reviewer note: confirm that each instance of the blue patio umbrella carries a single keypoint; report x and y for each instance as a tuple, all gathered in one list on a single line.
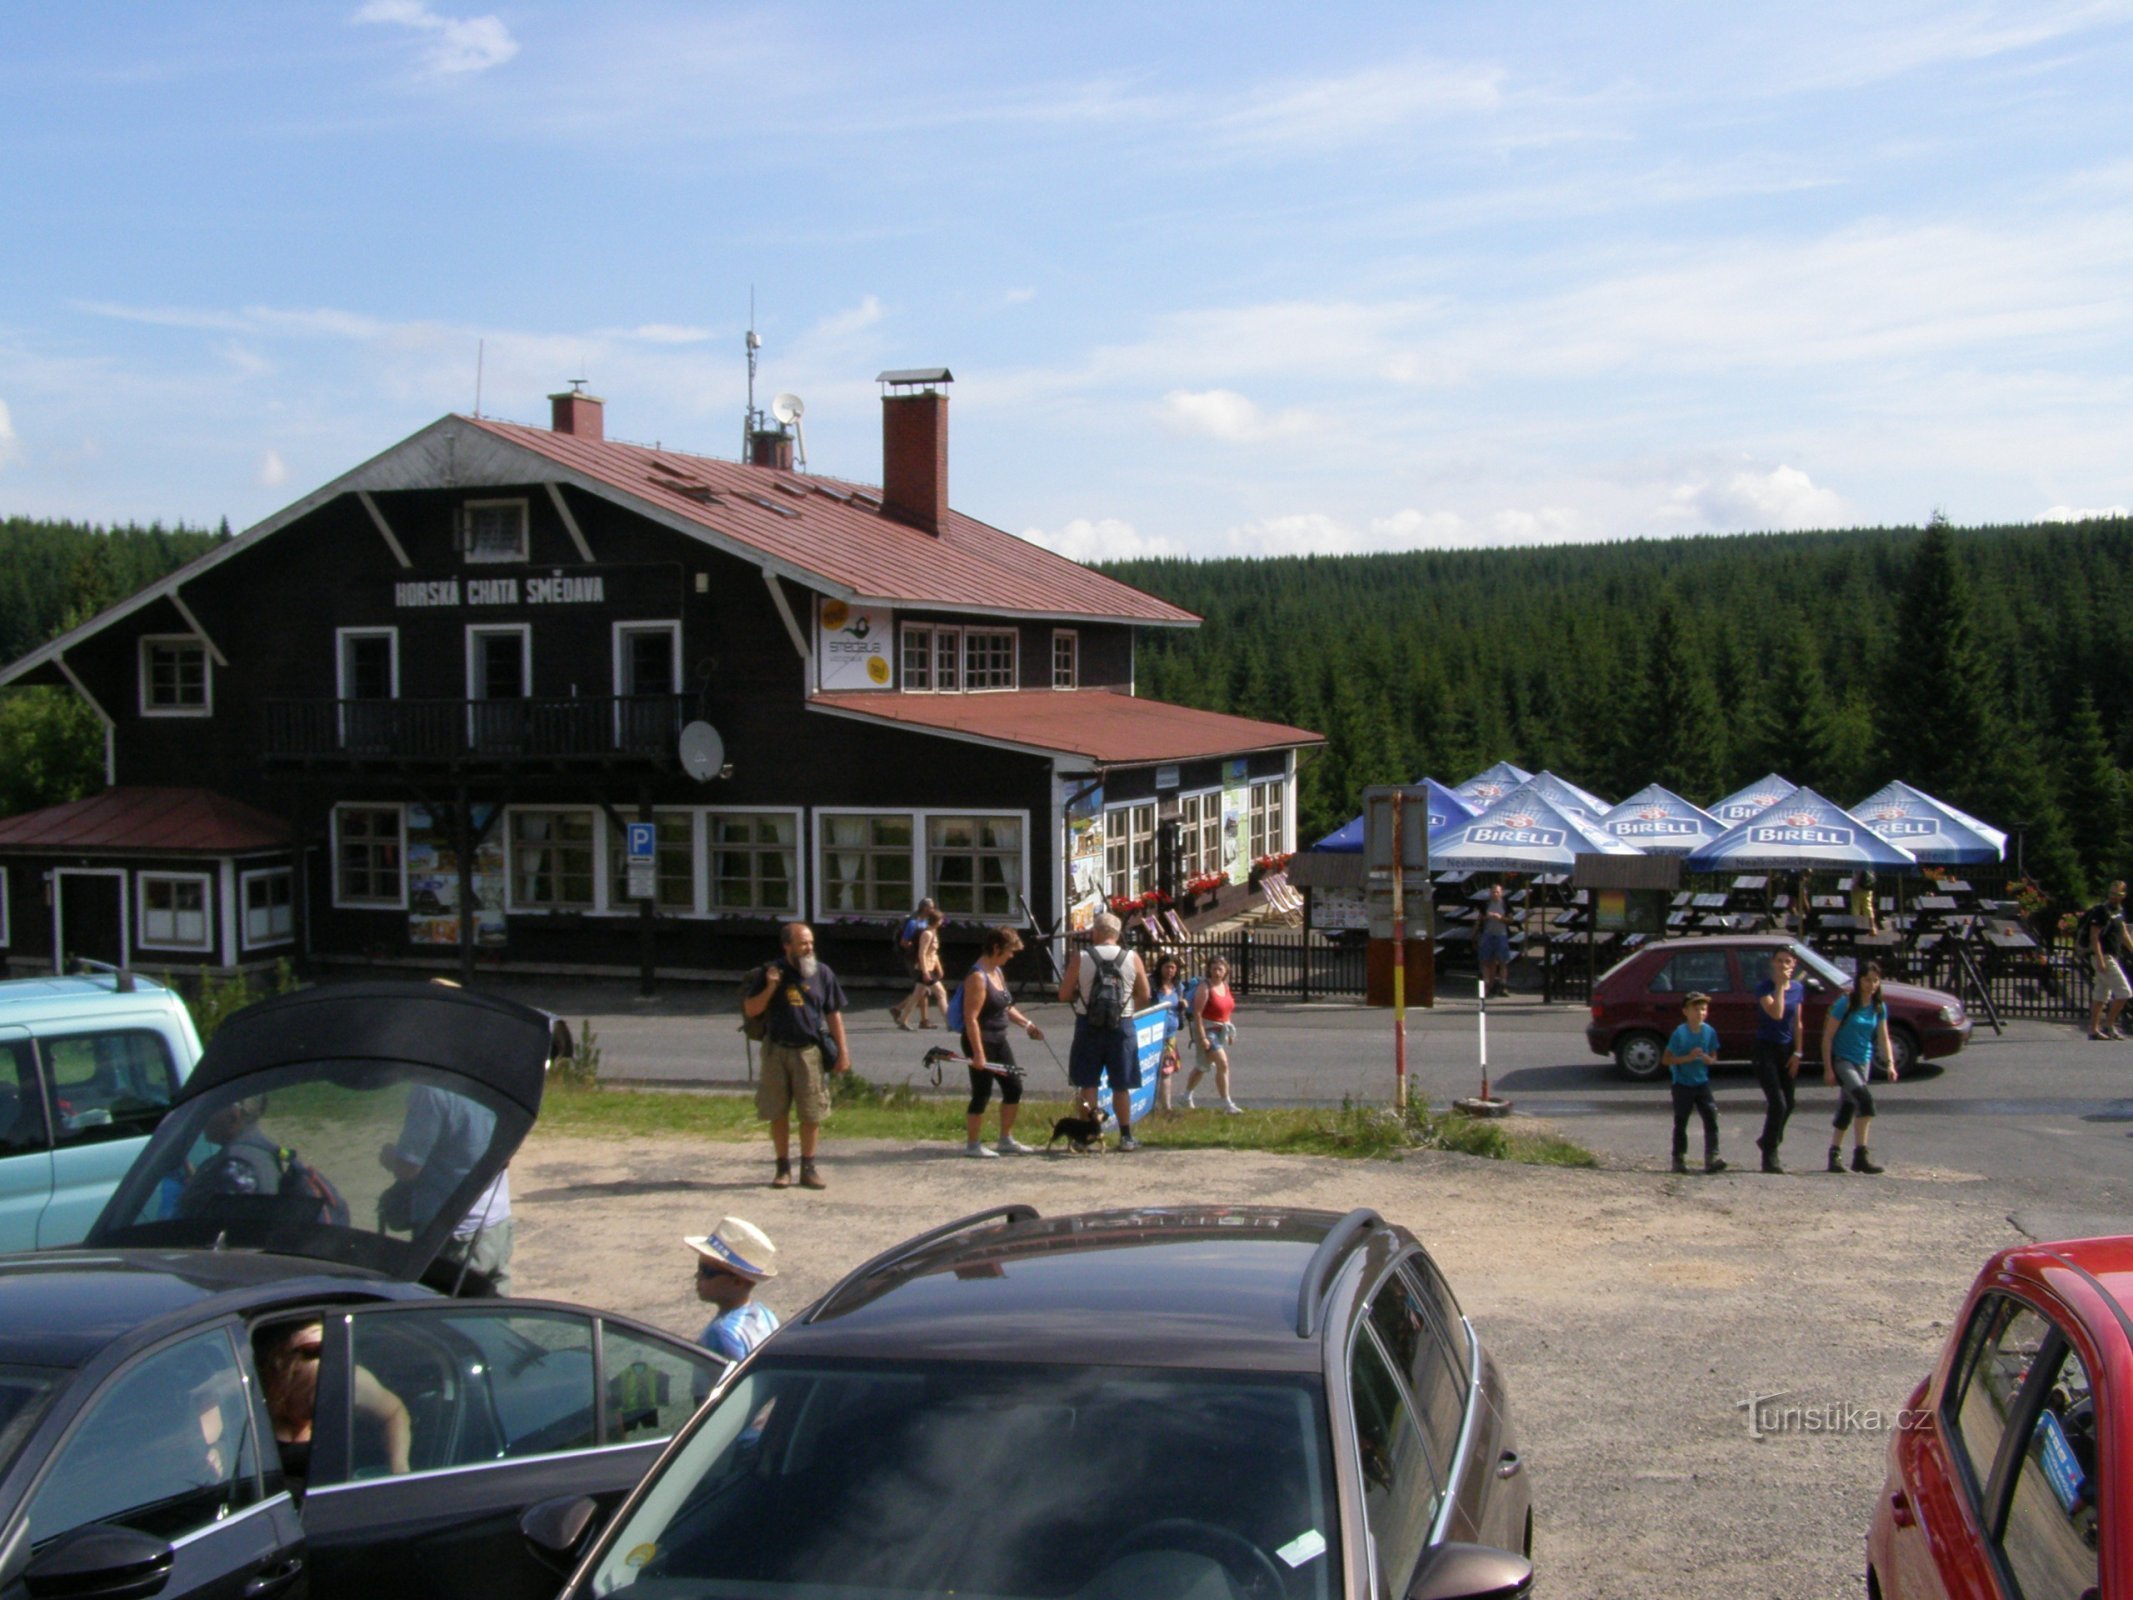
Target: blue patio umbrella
[(1757, 798), (1484, 789), (1932, 830), (1445, 808), (1564, 795), (1661, 823), (1521, 833), (1802, 831)]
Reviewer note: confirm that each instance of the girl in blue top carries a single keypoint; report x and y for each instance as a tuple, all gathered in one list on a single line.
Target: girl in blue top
[(1854, 1036)]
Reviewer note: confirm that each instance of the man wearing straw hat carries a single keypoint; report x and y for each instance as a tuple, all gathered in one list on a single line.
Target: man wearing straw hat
[(730, 1261)]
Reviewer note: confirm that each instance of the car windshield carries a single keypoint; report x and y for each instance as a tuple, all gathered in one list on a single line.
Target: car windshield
[(983, 1480), (1821, 966), (24, 1393)]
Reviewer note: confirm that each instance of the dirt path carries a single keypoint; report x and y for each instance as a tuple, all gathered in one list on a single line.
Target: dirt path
[(1633, 1312)]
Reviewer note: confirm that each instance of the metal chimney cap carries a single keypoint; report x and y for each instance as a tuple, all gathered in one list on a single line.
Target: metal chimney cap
[(905, 375)]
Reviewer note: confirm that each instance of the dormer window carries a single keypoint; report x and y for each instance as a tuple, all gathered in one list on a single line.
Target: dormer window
[(494, 530), (174, 677)]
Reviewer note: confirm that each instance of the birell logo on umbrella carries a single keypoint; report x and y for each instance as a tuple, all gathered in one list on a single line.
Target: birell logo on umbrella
[(1896, 822), (1518, 828), (1653, 822), (1801, 827), (1754, 806)]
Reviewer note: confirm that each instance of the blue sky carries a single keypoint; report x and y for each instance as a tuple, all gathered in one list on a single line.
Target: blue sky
[(1213, 279)]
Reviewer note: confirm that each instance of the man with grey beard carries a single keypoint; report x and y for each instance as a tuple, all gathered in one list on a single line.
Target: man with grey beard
[(802, 1007)]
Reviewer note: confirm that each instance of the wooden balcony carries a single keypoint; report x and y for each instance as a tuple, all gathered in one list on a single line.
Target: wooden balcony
[(576, 731)]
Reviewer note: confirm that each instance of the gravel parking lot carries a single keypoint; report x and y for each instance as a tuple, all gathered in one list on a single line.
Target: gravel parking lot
[(1635, 1312)]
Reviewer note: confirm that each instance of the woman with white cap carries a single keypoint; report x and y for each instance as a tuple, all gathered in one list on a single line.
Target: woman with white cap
[(730, 1261)]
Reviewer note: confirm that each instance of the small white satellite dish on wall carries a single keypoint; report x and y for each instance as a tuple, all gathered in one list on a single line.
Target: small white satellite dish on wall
[(703, 752)]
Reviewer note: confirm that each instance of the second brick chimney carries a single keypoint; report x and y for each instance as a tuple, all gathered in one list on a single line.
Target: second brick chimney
[(914, 448), (578, 413)]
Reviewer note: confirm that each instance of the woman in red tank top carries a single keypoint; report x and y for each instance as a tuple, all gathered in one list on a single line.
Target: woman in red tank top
[(1212, 1033)]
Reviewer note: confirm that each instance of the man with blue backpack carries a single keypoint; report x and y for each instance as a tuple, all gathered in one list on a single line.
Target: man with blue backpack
[(1106, 985)]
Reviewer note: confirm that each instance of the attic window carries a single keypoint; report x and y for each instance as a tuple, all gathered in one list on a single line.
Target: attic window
[(697, 491), (770, 505), (871, 502), (828, 493), (495, 530), (797, 491)]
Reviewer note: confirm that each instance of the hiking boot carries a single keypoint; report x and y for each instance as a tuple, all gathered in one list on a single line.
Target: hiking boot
[(1862, 1162), (809, 1177), (1014, 1147), (1681, 1164), (1715, 1163), (980, 1152), (783, 1180), (1126, 1141), (1772, 1165), (1836, 1159)]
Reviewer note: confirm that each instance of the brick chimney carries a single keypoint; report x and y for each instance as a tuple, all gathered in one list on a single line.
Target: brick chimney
[(770, 447), (914, 448), (577, 413)]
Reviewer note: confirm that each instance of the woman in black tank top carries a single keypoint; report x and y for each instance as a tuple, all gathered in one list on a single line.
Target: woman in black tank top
[(987, 1010)]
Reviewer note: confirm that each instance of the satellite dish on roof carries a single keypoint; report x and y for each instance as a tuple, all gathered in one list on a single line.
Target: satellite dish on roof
[(788, 408), (703, 752)]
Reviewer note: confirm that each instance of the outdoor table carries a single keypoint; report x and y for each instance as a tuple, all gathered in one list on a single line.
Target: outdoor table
[(1829, 902), (1954, 886), (1834, 923), (2009, 939), (1709, 902), (1748, 881), (1878, 941), (1935, 902)]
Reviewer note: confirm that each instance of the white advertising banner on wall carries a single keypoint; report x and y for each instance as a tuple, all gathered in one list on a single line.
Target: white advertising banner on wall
[(853, 646)]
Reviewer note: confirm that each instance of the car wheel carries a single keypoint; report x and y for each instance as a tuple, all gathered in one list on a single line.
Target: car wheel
[(1637, 1054), (1903, 1044)]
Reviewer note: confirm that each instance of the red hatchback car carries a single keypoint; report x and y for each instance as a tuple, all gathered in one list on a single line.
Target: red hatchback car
[(1637, 1002), (2009, 1475)]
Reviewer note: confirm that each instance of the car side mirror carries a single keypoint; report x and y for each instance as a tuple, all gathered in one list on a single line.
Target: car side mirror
[(1471, 1572), (556, 1528), (99, 1562)]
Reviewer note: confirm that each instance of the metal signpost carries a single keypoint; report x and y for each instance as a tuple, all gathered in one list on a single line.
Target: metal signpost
[(642, 854), (1396, 856)]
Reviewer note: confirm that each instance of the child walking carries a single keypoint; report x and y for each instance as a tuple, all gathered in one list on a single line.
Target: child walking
[(1688, 1056), (730, 1261), (1854, 1037)]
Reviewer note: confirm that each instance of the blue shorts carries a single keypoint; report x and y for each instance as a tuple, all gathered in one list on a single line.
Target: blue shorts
[(1094, 1054), (1496, 947)]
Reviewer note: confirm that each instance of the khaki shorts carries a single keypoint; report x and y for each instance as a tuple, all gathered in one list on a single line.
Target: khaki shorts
[(792, 1081), (2108, 984)]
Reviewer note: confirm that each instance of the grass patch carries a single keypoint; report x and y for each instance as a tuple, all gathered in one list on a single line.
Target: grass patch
[(868, 1110)]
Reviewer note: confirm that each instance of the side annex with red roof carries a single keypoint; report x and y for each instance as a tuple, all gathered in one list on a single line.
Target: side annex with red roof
[(414, 715)]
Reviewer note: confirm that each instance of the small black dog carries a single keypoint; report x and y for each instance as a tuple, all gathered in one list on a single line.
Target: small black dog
[(1084, 1135)]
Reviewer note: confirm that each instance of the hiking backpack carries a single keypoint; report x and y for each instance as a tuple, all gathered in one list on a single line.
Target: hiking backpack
[(301, 1179), (757, 1027), (955, 1006), (1110, 994)]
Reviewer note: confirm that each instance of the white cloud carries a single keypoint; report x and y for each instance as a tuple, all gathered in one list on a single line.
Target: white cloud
[(1103, 539), (1782, 498), (1227, 415), (1018, 297), (10, 446), (1360, 105), (273, 471), (2055, 514), (454, 45), (842, 324), (662, 333)]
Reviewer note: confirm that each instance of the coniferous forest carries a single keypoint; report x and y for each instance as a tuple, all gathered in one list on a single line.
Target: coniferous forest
[(1987, 666)]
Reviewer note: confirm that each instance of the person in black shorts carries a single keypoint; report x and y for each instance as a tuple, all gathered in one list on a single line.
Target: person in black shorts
[(987, 1010)]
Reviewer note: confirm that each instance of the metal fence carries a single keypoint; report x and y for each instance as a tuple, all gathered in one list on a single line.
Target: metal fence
[(1279, 963)]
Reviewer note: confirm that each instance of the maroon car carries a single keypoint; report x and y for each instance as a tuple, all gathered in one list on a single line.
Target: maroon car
[(1637, 1002), (2008, 1468)]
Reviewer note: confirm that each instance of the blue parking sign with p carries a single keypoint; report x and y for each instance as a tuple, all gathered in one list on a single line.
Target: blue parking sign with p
[(643, 841)]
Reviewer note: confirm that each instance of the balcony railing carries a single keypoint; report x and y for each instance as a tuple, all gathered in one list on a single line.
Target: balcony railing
[(576, 728)]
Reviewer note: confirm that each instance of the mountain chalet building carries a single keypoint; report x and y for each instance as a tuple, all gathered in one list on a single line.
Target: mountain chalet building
[(410, 718)]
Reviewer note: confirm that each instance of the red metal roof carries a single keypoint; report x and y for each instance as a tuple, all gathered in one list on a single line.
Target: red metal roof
[(1101, 725), (157, 821), (835, 530)]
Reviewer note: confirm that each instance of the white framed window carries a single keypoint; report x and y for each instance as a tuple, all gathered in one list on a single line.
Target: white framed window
[(865, 862), (499, 661), (948, 660), (173, 910), (674, 862), (1269, 817), (554, 859), (367, 663), (974, 865), (1066, 659), (494, 530), (370, 857), (647, 678), (1129, 848), (176, 679), (754, 862), (268, 897), (1200, 833), (918, 658), (989, 658)]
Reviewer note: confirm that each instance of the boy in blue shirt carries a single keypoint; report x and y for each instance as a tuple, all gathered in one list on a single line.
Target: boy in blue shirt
[(1688, 1056), (730, 1261)]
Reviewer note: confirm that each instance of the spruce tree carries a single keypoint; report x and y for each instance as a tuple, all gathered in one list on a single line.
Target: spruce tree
[(2094, 791), (1940, 702)]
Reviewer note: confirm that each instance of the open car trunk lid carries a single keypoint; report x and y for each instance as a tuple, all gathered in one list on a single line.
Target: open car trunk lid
[(287, 1135)]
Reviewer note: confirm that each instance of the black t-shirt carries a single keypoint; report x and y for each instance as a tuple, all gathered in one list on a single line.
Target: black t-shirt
[(796, 1011), (2102, 926)]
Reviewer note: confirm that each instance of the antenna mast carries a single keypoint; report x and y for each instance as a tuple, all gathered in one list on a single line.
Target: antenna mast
[(754, 419)]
